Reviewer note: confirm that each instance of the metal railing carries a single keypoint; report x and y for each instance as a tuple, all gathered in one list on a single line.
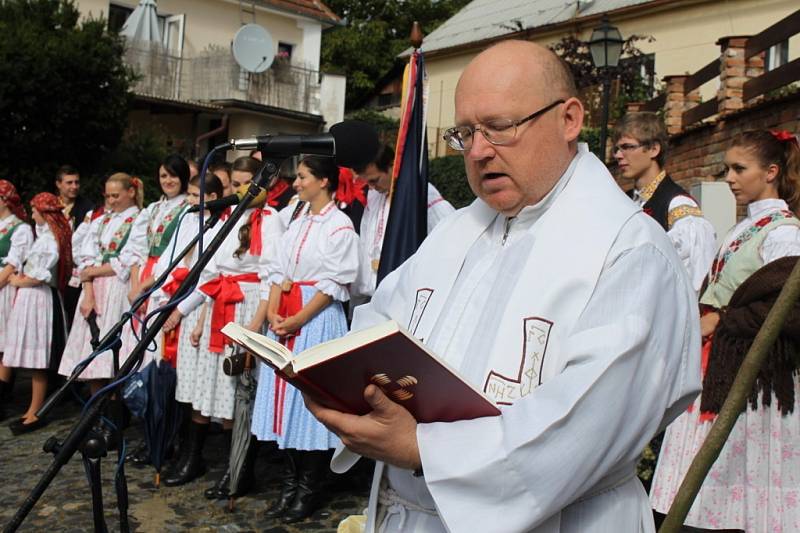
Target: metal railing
[(214, 75)]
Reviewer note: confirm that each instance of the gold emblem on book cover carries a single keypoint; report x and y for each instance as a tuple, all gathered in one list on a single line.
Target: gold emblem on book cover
[(395, 389)]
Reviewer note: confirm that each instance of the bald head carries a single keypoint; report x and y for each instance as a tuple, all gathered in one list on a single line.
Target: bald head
[(525, 64)]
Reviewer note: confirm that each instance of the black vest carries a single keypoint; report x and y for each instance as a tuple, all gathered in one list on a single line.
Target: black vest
[(658, 204)]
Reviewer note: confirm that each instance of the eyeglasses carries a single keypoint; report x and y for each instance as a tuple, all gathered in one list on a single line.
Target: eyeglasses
[(627, 147), (499, 131)]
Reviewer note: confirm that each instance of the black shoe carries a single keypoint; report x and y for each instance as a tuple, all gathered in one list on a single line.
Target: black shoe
[(5, 397), (140, 457), (194, 466), (219, 490), (288, 479), (312, 470), (19, 427)]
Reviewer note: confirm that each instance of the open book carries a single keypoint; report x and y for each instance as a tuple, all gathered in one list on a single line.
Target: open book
[(336, 372)]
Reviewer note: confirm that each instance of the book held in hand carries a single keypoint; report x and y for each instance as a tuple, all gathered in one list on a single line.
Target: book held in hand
[(336, 372)]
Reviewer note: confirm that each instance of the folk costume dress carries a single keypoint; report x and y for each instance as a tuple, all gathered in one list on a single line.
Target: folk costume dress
[(230, 285), (186, 354), (373, 228), (16, 239), (32, 321), (108, 237), (679, 214), (754, 485), (318, 253), (150, 237), (567, 340)]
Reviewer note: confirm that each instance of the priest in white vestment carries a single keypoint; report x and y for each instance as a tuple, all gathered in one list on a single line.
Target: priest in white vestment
[(556, 296)]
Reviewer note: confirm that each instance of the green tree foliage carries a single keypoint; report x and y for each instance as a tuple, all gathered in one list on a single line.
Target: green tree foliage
[(448, 176), (630, 84), (375, 32), (63, 91)]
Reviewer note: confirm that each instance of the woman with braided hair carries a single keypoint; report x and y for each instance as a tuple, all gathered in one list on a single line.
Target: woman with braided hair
[(37, 307), (230, 286), (16, 238), (753, 485)]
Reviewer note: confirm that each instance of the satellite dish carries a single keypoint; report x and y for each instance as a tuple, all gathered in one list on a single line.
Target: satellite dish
[(253, 49)]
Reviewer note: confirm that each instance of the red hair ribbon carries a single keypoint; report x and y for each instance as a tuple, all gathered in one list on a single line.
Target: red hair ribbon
[(9, 194), (785, 136), (136, 182), (255, 229), (349, 189)]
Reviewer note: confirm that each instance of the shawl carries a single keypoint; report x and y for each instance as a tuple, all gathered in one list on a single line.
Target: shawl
[(739, 323)]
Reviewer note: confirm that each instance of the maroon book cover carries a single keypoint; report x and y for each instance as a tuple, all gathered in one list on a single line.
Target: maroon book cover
[(404, 371)]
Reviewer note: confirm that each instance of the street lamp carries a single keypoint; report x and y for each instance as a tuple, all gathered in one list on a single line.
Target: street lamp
[(606, 47)]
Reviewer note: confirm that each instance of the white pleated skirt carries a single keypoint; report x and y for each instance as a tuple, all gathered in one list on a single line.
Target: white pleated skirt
[(7, 294), (111, 300), (187, 359), (213, 390), (30, 329)]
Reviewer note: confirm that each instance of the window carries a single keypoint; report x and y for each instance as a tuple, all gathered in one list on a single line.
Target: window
[(285, 51), (117, 15), (777, 55)]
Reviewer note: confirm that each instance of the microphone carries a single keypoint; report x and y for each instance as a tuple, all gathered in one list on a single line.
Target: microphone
[(352, 143), (218, 205)]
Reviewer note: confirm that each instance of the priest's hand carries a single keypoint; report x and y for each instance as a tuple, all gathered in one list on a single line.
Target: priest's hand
[(388, 433)]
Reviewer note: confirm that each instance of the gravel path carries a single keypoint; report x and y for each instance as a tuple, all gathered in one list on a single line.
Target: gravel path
[(66, 505)]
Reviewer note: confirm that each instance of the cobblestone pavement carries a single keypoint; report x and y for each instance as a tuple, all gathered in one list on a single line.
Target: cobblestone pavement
[(66, 505)]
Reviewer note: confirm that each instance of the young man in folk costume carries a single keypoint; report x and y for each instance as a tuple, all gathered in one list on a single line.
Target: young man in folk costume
[(16, 238), (568, 339), (378, 175), (640, 148), (76, 209)]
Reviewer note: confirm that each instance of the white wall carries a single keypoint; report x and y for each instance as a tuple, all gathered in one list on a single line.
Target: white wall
[(332, 92)]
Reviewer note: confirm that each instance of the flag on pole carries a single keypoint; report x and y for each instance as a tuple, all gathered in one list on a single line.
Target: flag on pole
[(407, 224)]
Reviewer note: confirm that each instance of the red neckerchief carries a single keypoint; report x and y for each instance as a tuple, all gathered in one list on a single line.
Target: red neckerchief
[(255, 229)]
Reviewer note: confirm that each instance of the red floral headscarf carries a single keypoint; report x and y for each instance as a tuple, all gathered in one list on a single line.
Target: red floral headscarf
[(9, 194), (51, 209)]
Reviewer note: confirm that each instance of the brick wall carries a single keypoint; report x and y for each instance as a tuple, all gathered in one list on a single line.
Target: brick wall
[(696, 154)]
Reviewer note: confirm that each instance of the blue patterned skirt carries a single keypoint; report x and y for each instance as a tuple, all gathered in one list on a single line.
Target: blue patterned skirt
[(295, 427)]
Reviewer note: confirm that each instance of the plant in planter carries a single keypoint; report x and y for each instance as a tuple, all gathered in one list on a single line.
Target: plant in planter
[(282, 66)]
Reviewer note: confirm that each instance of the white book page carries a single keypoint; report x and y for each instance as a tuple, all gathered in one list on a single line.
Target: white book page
[(261, 346)]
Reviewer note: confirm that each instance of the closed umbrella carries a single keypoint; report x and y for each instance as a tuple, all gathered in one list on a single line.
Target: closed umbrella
[(152, 396), (242, 443), (142, 23)]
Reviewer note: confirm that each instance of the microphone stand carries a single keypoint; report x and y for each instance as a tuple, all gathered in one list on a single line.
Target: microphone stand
[(83, 426)]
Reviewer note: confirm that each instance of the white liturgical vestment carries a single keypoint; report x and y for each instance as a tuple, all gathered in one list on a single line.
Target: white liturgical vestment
[(578, 319)]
